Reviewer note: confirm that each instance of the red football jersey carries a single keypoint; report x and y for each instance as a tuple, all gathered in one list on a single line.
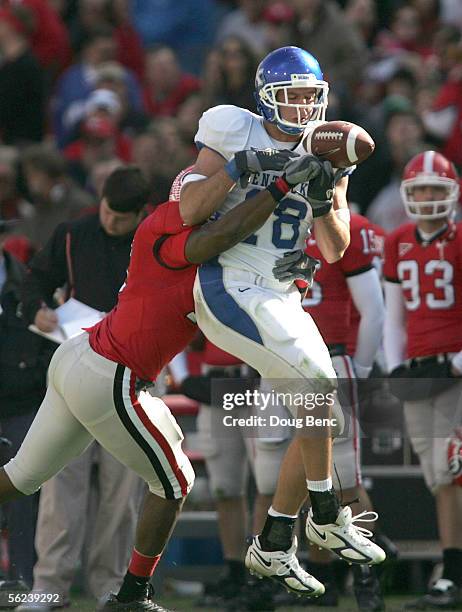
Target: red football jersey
[(329, 301), (430, 275), (373, 237), (154, 317)]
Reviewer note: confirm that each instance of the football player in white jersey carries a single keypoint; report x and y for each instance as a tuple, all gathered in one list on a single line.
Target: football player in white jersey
[(244, 310)]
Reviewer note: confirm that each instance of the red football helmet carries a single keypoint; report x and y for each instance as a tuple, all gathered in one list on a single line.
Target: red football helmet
[(455, 456), (430, 169)]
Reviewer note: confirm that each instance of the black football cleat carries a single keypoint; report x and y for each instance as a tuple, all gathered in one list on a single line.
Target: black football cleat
[(367, 589), (145, 603), (444, 595), (256, 596)]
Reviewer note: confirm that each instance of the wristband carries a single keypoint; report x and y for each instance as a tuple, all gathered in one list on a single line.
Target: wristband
[(232, 170), (279, 188)]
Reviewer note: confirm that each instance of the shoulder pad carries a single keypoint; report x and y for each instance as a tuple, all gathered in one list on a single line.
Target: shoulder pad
[(224, 129)]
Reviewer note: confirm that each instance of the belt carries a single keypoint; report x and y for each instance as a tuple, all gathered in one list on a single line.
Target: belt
[(428, 360), (335, 350)]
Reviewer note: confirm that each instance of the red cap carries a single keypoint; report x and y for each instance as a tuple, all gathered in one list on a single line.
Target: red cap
[(98, 127), (278, 12)]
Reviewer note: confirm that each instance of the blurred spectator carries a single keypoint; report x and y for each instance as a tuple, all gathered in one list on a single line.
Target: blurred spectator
[(176, 155), (130, 51), (405, 34), (343, 58), (55, 197), (12, 204), (428, 12), (24, 360), (147, 155), (78, 81), (112, 76), (160, 154), (100, 172), (21, 83), (278, 17), (405, 138), (115, 13), (443, 120), (48, 36), (362, 14), (233, 81), (188, 116), (247, 22), (398, 92), (100, 137), (166, 86), (185, 26)]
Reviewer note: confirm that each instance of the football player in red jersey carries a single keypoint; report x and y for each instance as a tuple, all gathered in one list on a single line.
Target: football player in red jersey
[(96, 377), (423, 338)]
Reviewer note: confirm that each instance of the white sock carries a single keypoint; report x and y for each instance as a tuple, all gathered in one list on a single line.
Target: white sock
[(273, 512), (320, 485)]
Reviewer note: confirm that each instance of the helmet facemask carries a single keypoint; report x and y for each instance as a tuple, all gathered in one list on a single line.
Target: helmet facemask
[(430, 209), (271, 107)]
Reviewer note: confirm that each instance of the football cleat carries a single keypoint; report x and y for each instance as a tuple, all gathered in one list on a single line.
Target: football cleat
[(345, 539), (110, 603), (283, 567), (367, 589), (444, 595)]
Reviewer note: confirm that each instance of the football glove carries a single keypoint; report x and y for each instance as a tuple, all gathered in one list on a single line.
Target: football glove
[(300, 170), (321, 189), (296, 265), (251, 161)]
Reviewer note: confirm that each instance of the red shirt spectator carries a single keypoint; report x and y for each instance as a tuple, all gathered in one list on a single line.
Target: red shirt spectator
[(166, 87), (49, 38), (102, 133)]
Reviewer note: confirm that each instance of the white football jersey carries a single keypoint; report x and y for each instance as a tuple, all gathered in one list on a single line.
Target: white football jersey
[(228, 129)]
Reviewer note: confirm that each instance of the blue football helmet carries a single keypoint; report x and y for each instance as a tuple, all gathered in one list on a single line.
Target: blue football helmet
[(281, 70)]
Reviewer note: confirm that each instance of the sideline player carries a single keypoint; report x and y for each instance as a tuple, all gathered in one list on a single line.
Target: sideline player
[(423, 338), (244, 311), (94, 378)]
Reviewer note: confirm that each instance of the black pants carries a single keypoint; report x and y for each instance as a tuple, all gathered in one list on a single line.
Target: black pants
[(20, 515)]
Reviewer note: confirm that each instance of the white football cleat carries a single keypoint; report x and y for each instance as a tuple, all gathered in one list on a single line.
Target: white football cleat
[(282, 566), (345, 539)]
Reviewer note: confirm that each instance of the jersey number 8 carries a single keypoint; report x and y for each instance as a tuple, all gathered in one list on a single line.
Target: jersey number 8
[(285, 217)]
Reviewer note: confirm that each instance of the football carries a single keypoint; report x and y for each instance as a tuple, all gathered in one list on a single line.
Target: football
[(341, 142)]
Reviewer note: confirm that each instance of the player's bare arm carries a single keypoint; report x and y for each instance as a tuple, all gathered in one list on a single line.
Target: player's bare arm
[(218, 236), (239, 223), (201, 198), (332, 228)]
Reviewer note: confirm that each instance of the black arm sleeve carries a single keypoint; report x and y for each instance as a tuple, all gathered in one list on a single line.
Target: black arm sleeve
[(47, 271)]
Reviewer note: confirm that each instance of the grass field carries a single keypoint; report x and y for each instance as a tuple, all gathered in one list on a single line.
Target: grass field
[(347, 604)]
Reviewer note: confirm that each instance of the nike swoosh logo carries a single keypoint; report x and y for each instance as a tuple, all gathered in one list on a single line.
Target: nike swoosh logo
[(242, 290), (321, 535), (260, 559)]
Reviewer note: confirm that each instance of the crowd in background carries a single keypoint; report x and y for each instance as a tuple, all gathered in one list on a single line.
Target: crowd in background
[(85, 86)]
